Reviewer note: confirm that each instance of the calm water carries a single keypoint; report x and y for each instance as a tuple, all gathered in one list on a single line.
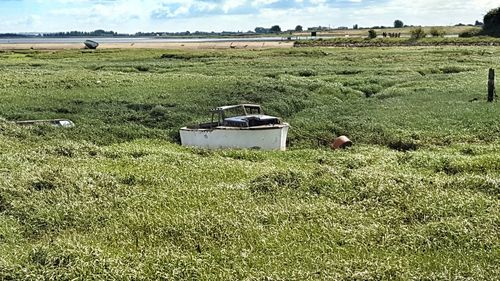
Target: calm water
[(39, 40)]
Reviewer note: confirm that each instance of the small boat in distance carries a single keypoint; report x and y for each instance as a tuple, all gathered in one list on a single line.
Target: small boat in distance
[(237, 126), (89, 44)]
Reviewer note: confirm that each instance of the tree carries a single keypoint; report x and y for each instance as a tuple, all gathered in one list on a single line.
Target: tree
[(355, 26), (299, 28), (275, 29), (261, 30), (492, 23), (372, 34), (398, 24)]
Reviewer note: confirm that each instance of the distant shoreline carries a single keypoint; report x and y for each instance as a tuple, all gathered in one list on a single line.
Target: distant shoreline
[(74, 40)]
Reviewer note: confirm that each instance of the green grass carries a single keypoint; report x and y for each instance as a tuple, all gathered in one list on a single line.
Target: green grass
[(394, 42), (417, 197)]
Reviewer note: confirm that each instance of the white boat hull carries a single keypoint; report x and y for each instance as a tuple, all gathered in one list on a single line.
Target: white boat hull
[(269, 137)]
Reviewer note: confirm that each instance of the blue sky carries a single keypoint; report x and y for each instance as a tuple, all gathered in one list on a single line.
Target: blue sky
[(218, 15)]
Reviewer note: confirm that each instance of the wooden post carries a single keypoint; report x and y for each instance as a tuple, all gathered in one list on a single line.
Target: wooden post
[(491, 85)]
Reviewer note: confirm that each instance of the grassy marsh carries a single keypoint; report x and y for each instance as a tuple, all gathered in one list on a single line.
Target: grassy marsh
[(417, 197)]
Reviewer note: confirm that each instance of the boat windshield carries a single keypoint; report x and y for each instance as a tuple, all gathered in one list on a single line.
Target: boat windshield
[(233, 112), (241, 111), (252, 110)]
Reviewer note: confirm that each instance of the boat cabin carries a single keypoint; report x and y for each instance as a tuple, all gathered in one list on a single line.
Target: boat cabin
[(241, 115)]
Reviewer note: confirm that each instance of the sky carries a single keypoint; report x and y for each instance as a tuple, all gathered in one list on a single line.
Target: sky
[(130, 16)]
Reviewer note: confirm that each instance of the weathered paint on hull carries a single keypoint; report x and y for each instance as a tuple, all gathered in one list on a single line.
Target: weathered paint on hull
[(264, 137)]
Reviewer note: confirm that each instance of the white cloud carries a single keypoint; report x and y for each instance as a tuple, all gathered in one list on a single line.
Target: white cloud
[(424, 12), (258, 3), (228, 5)]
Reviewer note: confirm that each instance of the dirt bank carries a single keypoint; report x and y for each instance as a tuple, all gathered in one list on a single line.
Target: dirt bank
[(390, 44)]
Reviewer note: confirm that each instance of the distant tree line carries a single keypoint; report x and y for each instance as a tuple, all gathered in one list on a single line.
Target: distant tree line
[(477, 23), (263, 30), (102, 33), (12, 35), (95, 33)]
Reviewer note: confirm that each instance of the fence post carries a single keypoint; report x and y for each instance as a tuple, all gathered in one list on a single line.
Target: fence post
[(491, 85)]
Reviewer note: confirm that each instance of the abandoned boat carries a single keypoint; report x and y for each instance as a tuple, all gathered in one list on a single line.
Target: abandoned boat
[(89, 44), (65, 123), (237, 126)]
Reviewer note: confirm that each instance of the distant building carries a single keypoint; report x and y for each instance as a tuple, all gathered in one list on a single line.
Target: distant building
[(318, 28)]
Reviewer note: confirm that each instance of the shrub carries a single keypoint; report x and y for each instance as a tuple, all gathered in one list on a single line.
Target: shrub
[(307, 73), (453, 69), (142, 68), (372, 34), (418, 33), (42, 184), (469, 33), (437, 32), (403, 145), (398, 24)]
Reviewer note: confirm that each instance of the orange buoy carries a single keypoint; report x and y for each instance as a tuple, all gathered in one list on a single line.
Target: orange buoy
[(341, 142)]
